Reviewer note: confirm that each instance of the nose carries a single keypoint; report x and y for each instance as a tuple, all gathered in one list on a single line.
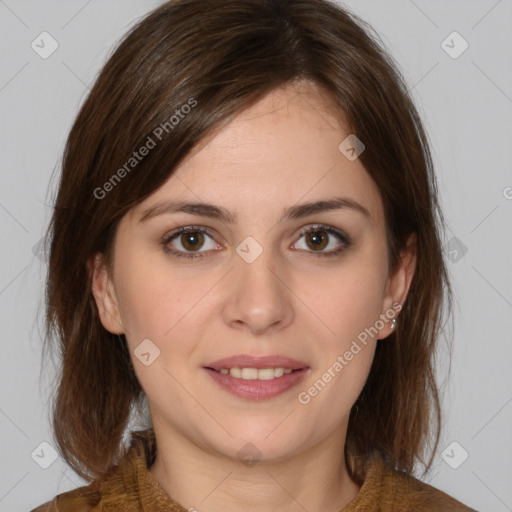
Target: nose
[(258, 295)]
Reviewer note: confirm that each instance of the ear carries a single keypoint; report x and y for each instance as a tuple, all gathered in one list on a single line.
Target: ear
[(397, 286), (104, 295)]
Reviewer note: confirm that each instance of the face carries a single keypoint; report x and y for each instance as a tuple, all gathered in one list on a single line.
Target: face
[(306, 285)]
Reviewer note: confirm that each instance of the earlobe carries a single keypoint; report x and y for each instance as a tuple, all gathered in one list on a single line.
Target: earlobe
[(398, 286), (104, 295)]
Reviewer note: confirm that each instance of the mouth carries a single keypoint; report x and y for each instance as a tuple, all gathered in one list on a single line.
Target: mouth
[(257, 383), (257, 377)]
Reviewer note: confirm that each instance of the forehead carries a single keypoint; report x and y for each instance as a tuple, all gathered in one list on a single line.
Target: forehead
[(282, 150), (302, 108)]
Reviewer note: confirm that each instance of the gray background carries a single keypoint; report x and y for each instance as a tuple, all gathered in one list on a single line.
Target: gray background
[(466, 103)]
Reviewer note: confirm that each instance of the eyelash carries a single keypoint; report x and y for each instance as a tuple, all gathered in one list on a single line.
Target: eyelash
[(312, 229)]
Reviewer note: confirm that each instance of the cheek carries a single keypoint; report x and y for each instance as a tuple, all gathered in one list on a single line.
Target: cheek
[(165, 308), (349, 306), (348, 300), (153, 301)]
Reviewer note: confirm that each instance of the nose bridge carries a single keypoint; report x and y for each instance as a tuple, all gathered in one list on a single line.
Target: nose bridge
[(258, 297), (256, 266), (255, 258)]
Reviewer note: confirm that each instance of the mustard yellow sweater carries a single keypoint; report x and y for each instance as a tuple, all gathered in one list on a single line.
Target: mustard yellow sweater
[(130, 487)]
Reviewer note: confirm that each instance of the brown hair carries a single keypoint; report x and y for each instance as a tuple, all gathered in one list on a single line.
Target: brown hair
[(225, 55)]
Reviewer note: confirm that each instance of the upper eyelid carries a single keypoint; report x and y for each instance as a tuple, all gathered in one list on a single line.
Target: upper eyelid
[(186, 229)]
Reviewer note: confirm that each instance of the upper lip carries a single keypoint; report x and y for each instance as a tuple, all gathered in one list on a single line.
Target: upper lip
[(247, 361)]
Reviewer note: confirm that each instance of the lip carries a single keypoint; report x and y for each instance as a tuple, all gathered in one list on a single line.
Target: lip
[(247, 361), (255, 389)]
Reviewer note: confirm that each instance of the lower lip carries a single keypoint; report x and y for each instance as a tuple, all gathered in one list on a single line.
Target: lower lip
[(258, 389)]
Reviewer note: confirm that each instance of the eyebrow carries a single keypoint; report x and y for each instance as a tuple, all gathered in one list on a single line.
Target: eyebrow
[(217, 212)]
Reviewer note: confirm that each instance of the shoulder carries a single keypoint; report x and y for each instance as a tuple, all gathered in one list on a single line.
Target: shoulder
[(408, 494), (83, 499), (117, 489), (388, 490)]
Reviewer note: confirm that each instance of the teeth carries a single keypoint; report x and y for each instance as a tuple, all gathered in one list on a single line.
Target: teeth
[(255, 373)]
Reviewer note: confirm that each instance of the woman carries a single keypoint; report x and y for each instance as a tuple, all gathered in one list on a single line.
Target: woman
[(246, 238)]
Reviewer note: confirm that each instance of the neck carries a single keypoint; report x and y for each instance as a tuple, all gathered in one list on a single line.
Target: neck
[(316, 479)]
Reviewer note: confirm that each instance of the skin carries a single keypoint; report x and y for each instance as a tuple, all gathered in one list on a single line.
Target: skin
[(290, 301)]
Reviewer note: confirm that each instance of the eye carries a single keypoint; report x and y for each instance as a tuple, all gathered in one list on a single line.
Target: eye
[(185, 242), (319, 236), (190, 238)]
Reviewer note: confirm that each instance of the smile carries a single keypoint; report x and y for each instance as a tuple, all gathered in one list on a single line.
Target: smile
[(257, 383), (255, 373)]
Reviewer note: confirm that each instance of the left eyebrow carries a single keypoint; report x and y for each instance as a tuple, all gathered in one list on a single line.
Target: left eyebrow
[(217, 212)]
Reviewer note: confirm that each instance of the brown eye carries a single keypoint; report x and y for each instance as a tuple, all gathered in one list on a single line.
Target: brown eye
[(317, 239), (186, 242), (192, 240)]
